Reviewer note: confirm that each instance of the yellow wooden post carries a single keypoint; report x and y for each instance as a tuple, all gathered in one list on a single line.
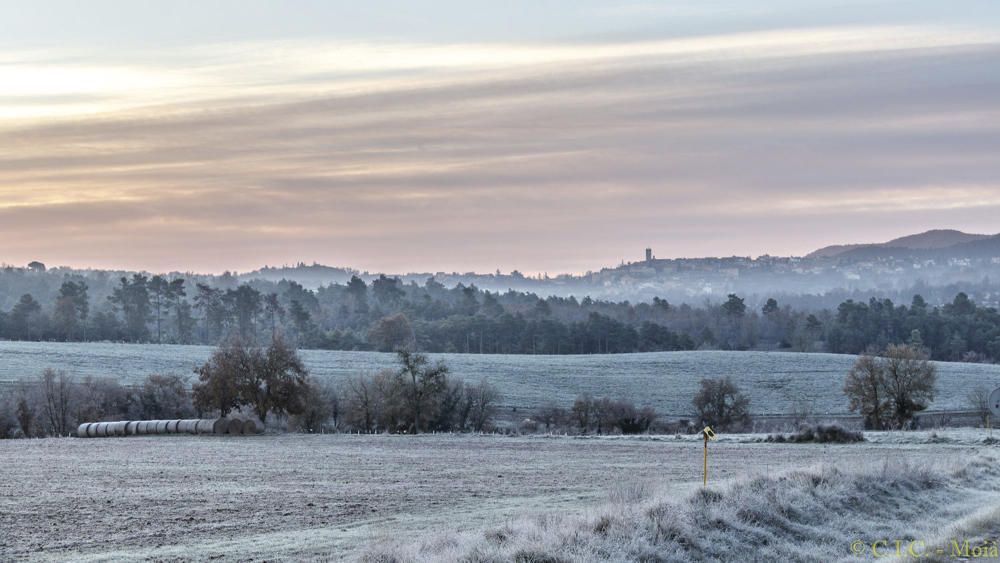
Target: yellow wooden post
[(707, 434), (704, 480)]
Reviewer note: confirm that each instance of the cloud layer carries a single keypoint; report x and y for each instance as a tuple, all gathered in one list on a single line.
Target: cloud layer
[(543, 157)]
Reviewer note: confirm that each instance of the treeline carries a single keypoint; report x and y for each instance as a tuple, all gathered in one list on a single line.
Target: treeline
[(387, 315)]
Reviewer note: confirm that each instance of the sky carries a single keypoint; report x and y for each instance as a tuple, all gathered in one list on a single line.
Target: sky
[(544, 136)]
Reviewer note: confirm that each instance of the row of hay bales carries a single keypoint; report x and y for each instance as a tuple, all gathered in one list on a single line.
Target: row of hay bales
[(150, 427)]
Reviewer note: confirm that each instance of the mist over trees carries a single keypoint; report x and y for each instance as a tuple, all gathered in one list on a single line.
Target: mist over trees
[(388, 314)]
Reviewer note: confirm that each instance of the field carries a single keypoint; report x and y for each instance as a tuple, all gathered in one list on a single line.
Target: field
[(776, 382), (296, 497)]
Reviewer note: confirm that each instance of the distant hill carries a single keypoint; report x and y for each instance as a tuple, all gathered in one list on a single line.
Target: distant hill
[(311, 276), (931, 240), (834, 250), (942, 238)]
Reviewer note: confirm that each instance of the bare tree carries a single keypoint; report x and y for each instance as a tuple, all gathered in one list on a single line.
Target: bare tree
[(483, 403), (25, 416), (320, 407), (164, 396), (720, 404), (910, 379), (279, 382), (979, 401), (551, 415), (362, 409), (217, 386), (421, 383), (57, 390), (889, 389), (864, 388), (583, 412)]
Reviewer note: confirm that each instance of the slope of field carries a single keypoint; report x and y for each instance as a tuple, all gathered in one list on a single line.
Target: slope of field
[(828, 513), (777, 382), (325, 497)]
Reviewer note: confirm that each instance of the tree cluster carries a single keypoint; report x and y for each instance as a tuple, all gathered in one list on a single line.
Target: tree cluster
[(417, 397), (957, 331), (265, 380)]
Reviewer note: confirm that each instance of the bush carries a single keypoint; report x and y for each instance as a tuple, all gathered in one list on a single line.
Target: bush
[(819, 434), (163, 397), (8, 420), (605, 416), (321, 409)]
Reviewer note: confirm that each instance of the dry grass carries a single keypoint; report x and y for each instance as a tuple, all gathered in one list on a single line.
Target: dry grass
[(804, 515)]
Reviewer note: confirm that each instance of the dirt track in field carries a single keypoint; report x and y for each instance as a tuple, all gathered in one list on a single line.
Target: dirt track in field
[(293, 497)]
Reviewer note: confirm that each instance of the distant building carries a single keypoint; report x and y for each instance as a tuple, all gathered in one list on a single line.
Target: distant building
[(649, 255)]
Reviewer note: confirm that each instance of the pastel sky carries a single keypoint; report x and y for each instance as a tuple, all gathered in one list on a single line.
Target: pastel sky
[(546, 136)]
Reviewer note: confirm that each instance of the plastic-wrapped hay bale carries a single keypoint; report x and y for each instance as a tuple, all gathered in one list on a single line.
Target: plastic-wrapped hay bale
[(118, 428), (161, 426), (205, 426), (131, 427), (235, 427), (186, 426), (220, 426), (172, 426), (81, 431), (250, 427)]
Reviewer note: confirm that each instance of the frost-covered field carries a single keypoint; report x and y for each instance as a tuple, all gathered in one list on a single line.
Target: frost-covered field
[(776, 382), (299, 497)]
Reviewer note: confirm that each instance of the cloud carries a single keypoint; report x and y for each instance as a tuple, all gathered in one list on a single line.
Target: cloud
[(555, 157)]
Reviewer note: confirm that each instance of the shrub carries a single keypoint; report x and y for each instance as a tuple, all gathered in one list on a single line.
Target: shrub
[(819, 434), (605, 415), (8, 421)]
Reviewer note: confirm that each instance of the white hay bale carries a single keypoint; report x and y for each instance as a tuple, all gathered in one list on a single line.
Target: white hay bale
[(161, 426), (131, 427), (81, 431), (186, 426), (172, 426)]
